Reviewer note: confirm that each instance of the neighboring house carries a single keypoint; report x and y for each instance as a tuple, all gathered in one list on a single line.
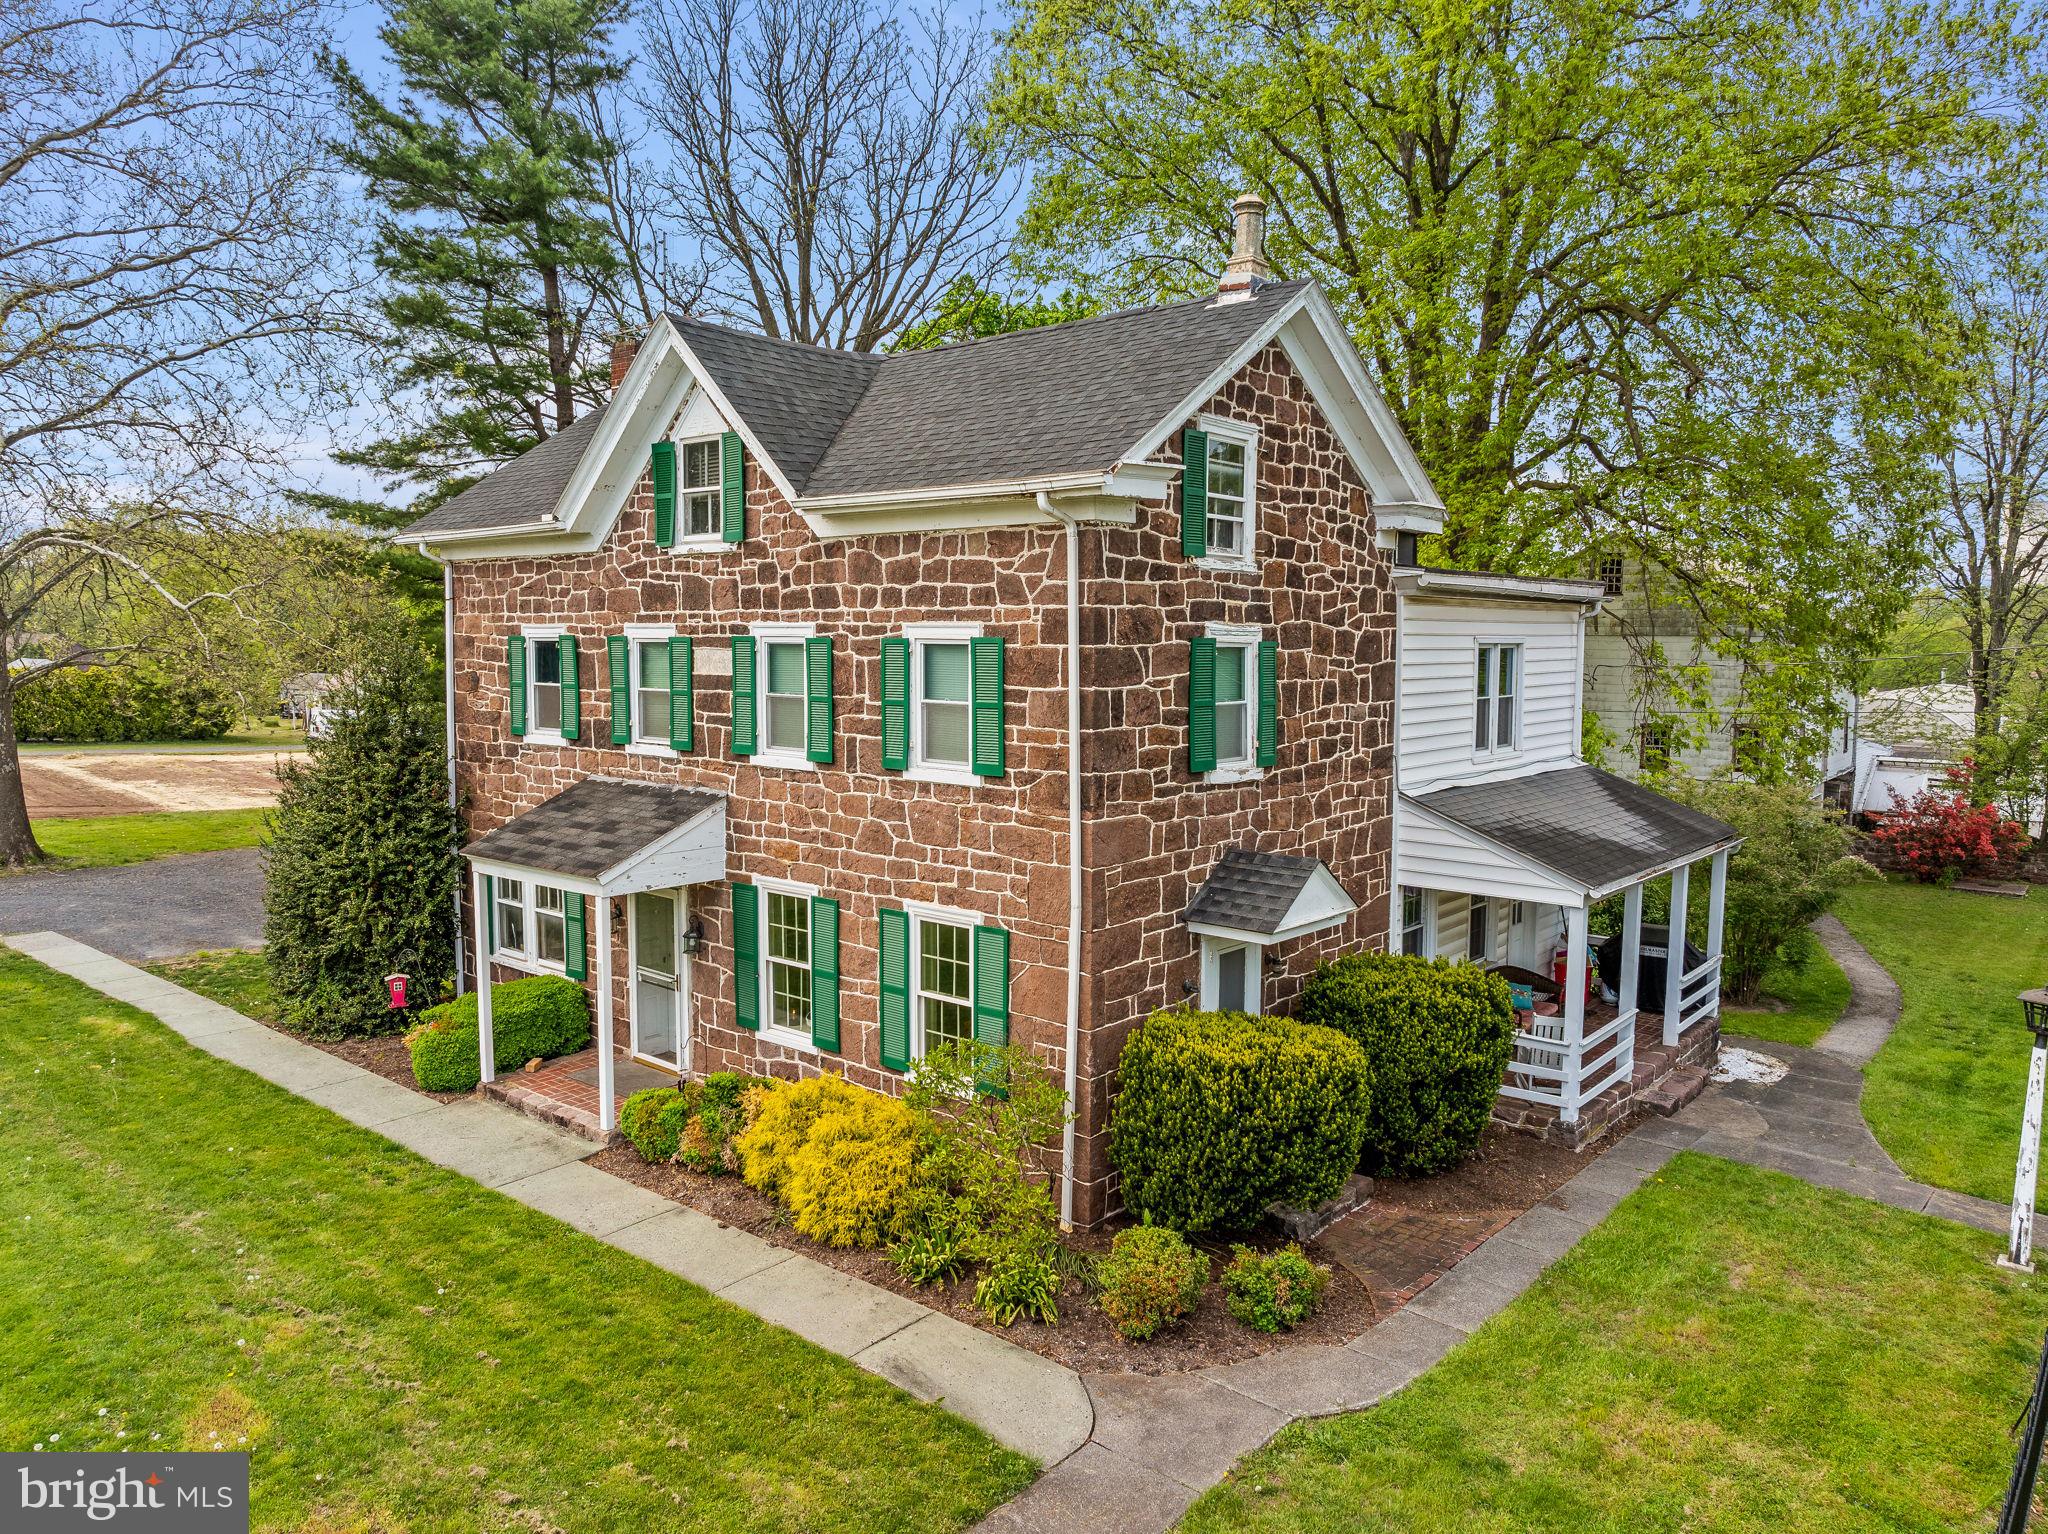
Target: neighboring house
[(1650, 730), (1913, 736), (817, 708), (303, 696), (1504, 838)]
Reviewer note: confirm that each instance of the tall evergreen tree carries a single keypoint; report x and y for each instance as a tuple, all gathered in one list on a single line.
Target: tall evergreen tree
[(361, 867), (499, 257)]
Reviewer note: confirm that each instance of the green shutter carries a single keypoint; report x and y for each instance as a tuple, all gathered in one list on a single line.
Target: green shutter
[(732, 488), (743, 695), (574, 941), (986, 665), (1202, 705), (572, 689), (896, 704), (895, 976), (664, 471), (991, 992), (1194, 493), (682, 693), (825, 973), (1269, 703), (515, 662), (818, 691), (746, 955), (618, 665)]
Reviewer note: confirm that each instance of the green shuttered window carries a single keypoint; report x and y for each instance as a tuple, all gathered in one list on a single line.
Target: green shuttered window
[(572, 689), (515, 664), (1233, 704), (1194, 493), (1269, 703), (618, 671), (987, 659), (746, 955), (818, 698), (895, 981), (991, 987), (743, 699), (1202, 705), (825, 973), (896, 704), (682, 693), (576, 961), (732, 464), (663, 471), (943, 982)]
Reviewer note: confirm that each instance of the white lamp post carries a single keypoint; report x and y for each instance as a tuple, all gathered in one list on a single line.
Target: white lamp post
[(2020, 1247)]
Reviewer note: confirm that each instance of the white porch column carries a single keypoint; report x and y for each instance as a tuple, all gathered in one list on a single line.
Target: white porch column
[(1574, 1010), (606, 1067), (1674, 951), (1717, 908), (487, 1061), (1631, 948)]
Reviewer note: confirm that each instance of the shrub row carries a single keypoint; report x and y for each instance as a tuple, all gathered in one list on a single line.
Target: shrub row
[(694, 1127), (102, 703), (535, 1018)]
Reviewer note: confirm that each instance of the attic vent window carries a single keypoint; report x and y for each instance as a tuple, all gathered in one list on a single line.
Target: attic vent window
[(1610, 575)]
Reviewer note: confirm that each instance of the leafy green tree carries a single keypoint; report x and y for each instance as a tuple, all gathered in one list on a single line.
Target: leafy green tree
[(361, 866), (494, 241), (968, 311), (1646, 279)]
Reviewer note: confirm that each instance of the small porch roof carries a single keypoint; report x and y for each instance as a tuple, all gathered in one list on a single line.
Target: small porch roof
[(1583, 832), (605, 836), (1267, 897)]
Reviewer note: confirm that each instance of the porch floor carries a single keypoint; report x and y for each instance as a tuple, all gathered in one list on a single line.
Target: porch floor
[(563, 1091)]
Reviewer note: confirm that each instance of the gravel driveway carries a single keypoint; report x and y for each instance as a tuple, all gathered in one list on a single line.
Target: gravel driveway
[(154, 910)]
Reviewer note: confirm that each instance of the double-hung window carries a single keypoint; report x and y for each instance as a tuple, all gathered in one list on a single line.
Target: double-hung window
[(1233, 707), (1219, 492), (1497, 696), (1479, 931), (536, 926), (786, 956), (550, 930), (1414, 921), (783, 697), (1229, 497), (942, 703), (698, 488), (1233, 702), (944, 970), (509, 929), (945, 704), (651, 691)]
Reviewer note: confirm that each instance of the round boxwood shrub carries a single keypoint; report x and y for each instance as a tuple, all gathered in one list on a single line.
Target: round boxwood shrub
[(1438, 1035), (538, 1017), (1220, 1114), (1151, 1278), (652, 1122), (1276, 1292)]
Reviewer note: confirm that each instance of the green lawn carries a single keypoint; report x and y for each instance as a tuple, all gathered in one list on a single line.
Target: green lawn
[(1813, 994), (103, 841), (1731, 1352), (232, 977), (254, 733), (194, 1257), (1944, 1096)]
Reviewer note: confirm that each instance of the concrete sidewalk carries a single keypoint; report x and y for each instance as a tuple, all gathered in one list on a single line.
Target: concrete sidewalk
[(1023, 1401)]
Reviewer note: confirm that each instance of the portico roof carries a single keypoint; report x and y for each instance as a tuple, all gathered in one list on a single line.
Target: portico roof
[(607, 836), (1267, 897)]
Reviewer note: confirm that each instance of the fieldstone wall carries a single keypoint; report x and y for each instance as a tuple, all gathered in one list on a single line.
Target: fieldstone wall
[(872, 838)]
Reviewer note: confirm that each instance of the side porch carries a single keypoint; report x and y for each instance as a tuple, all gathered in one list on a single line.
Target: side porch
[(1508, 875)]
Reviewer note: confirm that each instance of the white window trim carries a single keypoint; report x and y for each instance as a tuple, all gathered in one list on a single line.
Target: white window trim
[(1427, 897), (921, 771), (527, 958), (1213, 949), (679, 906), (787, 1037), (1245, 434), (638, 634), (782, 633), (1247, 637), (921, 912), (1497, 752), (712, 542), (529, 632)]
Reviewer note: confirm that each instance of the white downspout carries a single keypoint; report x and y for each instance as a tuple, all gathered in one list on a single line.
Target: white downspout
[(448, 715), (1073, 1050)]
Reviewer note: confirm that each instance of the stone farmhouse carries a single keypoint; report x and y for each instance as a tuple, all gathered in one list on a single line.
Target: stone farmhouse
[(814, 708)]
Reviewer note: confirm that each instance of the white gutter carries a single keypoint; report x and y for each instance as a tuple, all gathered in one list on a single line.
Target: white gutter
[(448, 714), (1073, 1050)]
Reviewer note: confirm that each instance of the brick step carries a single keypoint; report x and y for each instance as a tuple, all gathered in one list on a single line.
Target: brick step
[(537, 1105), (1678, 1089)]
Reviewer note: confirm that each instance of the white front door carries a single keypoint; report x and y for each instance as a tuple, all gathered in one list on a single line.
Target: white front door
[(661, 1022)]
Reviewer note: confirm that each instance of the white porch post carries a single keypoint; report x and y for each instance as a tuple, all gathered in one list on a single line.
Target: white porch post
[(1717, 908), (1631, 948), (606, 1067), (487, 1054), (1674, 952), (1574, 1010)]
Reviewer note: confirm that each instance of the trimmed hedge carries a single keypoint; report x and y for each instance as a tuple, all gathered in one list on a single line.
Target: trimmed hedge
[(102, 703), (541, 1016), (1438, 1034), (1222, 1113), (652, 1122)]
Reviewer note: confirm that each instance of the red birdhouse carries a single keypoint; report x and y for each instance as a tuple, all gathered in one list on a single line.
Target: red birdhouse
[(395, 984)]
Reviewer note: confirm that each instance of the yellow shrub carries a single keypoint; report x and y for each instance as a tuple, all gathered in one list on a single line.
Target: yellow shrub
[(849, 1184), (779, 1119)]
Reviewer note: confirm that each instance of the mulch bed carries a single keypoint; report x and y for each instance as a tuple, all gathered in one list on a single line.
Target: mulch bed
[(387, 1056)]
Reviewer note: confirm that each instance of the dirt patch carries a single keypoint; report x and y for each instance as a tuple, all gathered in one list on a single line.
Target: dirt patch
[(78, 784)]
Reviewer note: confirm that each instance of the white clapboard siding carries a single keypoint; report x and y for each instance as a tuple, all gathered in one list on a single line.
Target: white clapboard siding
[(1439, 649), (1435, 855)]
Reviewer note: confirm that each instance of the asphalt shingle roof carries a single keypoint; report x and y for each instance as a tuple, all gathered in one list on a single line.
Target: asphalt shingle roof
[(520, 493), (594, 826), (1061, 399), (1589, 825), (1251, 891)]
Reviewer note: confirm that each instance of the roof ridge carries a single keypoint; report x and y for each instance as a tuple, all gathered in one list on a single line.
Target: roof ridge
[(784, 341)]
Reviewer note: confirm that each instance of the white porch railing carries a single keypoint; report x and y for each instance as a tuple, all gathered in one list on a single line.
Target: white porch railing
[(1699, 993), (1539, 1070)]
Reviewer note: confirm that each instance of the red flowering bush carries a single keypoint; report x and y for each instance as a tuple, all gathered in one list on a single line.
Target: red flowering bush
[(1939, 834)]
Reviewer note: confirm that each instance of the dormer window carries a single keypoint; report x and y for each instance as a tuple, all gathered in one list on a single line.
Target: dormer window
[(1496, 723)]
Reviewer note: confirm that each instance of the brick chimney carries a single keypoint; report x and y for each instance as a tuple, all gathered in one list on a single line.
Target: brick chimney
[(623, 351), (1247, 266)]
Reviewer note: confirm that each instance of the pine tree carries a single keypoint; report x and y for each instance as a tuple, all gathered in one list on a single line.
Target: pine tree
[(361, 869), (493, 240)]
